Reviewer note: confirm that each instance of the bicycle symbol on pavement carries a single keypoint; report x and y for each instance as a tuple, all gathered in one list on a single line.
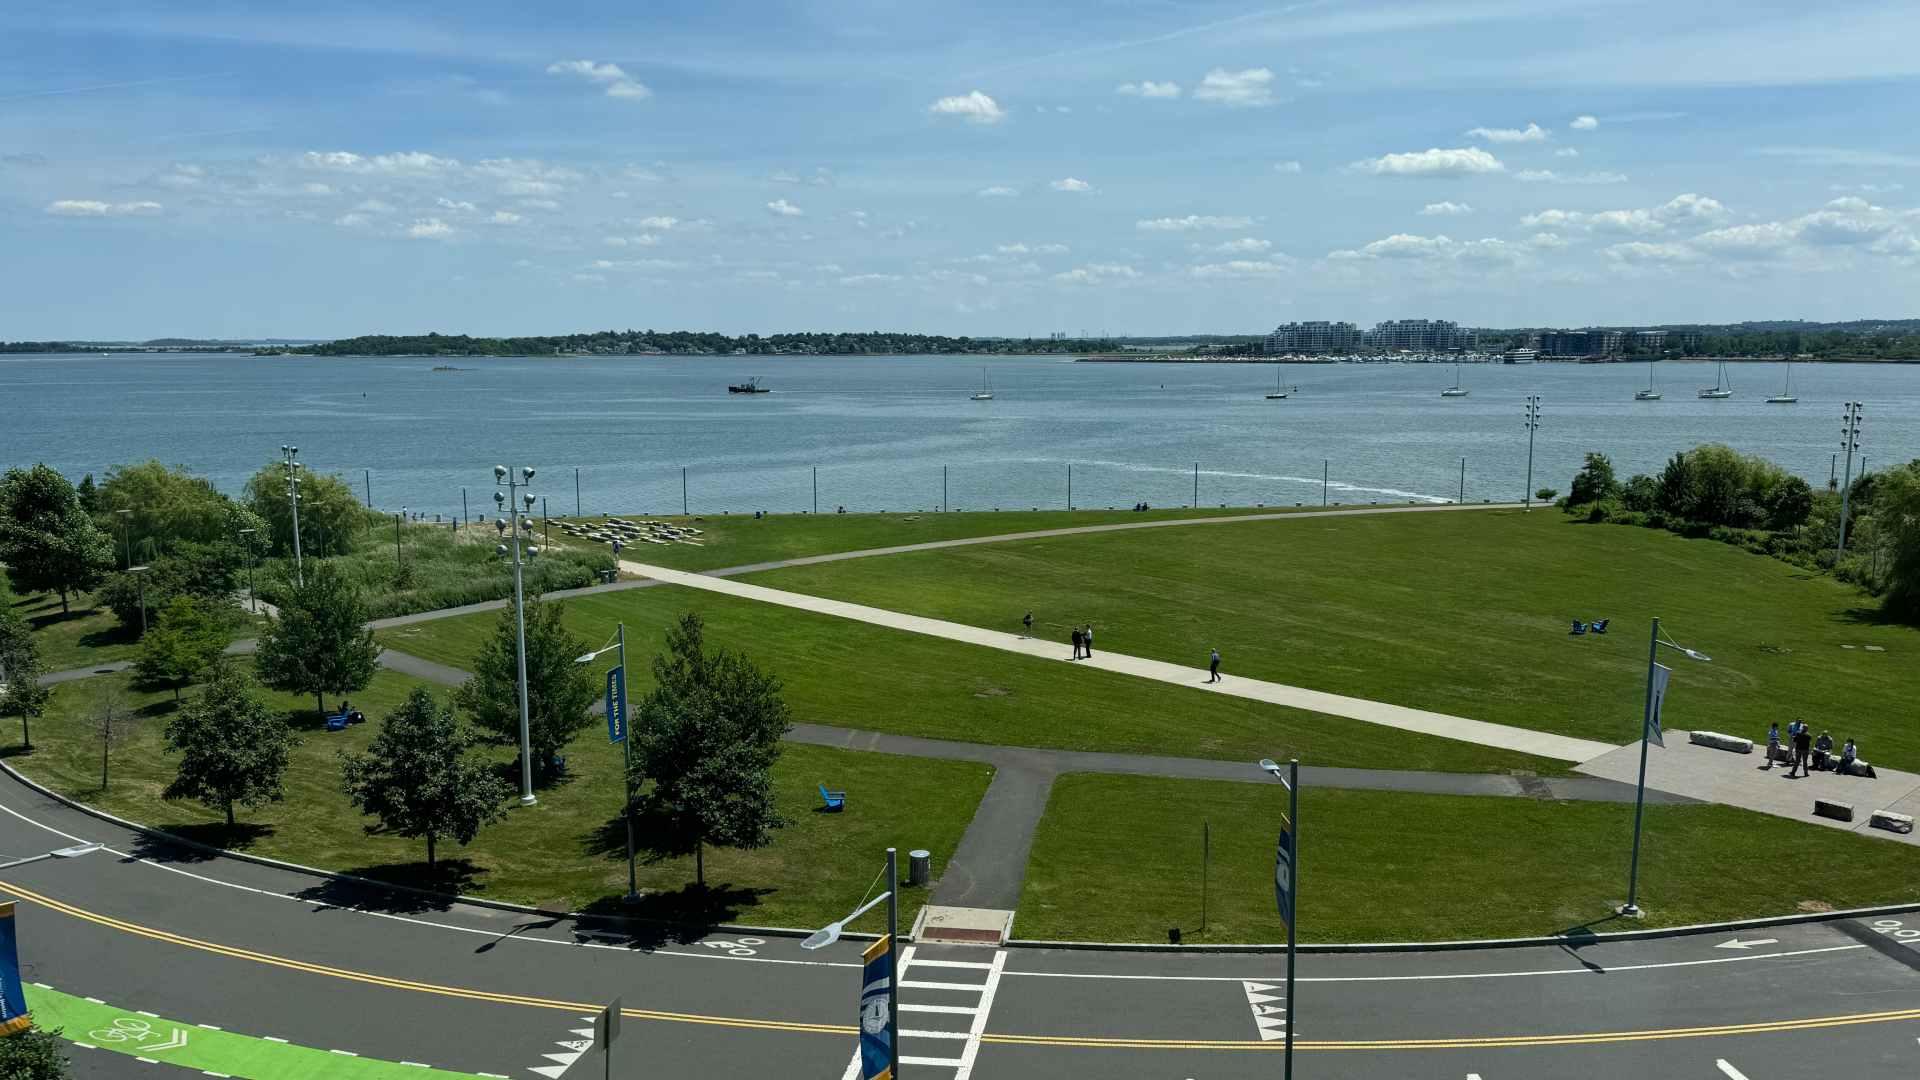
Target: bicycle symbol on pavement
[(740, 947), (126, 1029), (1894, 928)]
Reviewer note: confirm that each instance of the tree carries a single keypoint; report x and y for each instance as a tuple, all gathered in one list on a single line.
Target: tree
[(1789, 504), (206, 572), (419, 780), (1897, 512), (706, 737), (320, 644), (330, 516), (34, 1054), (186, 639), (165, 505), (559, 691), (1640, 494), (46, 538), (233, 748), (1594, 482), (113, 720), (1679, 489), (20, 670)]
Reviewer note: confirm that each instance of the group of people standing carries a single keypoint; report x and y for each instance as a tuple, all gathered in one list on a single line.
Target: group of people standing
[(1806, 753), (1082, 640)]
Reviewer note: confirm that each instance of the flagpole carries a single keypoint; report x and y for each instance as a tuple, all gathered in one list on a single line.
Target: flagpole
[(1632, 909)]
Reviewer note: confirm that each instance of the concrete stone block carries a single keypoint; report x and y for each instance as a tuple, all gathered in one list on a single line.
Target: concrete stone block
[(1717, 741), (1830, 808), (1890, 821)]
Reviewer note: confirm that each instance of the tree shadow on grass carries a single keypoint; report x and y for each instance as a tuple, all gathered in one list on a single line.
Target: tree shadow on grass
[(437, 886), (1866, 616), (213, 834)]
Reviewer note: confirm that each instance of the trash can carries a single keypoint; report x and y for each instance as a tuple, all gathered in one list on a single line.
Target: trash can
[(919, 866)]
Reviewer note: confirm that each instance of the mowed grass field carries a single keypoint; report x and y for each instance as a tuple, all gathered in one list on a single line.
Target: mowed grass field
[(848, 674), (741, 540), (1462, 612), (1118, 858), (567, 852), (83, 635)]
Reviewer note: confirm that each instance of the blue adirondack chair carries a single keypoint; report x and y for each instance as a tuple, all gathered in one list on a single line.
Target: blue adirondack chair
[(1578, 628), (338, 721), (1600, 627), (835, 801)]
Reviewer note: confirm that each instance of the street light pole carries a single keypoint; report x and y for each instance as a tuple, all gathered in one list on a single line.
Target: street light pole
[(1631, 908), (1533, 425), (893, 963), (140, 579), (253, 599), (514, 481), (1849, 442), (126, 536), (287, 455)]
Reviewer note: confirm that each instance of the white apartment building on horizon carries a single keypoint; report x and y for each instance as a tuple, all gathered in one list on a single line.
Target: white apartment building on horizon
[(1312, 337)]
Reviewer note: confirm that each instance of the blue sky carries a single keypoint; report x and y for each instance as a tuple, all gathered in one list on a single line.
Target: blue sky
[(234, 169)]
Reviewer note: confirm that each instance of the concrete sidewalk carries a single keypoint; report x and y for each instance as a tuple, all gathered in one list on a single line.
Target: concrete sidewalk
[(1539, 743), (1721, 776)]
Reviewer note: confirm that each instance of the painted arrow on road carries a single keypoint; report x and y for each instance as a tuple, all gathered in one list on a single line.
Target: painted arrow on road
[(1269, 1018), (1736, 943), (177, 1040)]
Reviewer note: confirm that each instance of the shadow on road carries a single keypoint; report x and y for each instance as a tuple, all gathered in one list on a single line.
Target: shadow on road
[(439, 882), (682, 915), (213, 834)]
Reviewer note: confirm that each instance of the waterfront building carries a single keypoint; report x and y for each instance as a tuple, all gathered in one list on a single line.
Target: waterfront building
[(1312, 337), (1422, 335)]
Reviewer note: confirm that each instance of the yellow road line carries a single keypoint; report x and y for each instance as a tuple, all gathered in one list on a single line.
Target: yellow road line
[(1057, 1041)]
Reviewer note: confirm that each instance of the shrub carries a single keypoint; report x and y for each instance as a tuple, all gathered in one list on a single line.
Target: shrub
[(1594, 482)]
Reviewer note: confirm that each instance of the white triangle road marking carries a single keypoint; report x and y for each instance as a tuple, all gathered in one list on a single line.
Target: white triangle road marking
[(1270, 1036), (576, 1044), (1270, 1022), (563, 1059), (1268, 1010), (1261, 999), (1257, 988), (551, 1071), (585, 1033)]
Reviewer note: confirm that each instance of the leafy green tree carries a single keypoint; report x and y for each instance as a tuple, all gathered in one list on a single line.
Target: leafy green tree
[(1640, 494), (1789, 504), (419, 780), (46, 538), (20, 671), (34, 1054), (209, 573), (1594, 482), (331, 518), (165, 505), (233, 748), (559, 691), (1897, 514), (1679, 488), (186, 639), (89, 494), (706, 740), (320, 644)]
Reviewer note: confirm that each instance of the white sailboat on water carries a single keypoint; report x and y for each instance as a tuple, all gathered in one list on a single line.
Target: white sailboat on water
[(1649, 394), (1785, 396), (985, 393), (1456, 390), (1721, 388), (1280, 388)]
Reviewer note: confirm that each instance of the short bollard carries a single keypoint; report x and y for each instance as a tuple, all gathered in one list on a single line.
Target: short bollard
[(919, 866)]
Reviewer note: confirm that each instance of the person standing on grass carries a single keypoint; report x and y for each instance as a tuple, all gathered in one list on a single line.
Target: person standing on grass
[(1076, 643), (1086, 641), (1773, 744), (1028, 623), (1213, 666)]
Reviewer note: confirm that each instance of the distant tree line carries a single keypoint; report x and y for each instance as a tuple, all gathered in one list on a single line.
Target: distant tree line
[(695, 343)]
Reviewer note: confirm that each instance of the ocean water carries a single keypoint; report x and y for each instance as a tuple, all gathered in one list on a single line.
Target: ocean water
[(900, 433)]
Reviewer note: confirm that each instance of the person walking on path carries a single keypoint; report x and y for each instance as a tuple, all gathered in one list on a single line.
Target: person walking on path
[(1803, 749), (1076, 643), (1773, 744), (1213, 666), (1086, 641), (1028, 623)]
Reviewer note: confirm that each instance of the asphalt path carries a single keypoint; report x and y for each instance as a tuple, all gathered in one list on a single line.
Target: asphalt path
[(268, 952)]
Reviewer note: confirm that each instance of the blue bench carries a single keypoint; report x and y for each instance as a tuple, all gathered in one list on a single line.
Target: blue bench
[(835, 801)]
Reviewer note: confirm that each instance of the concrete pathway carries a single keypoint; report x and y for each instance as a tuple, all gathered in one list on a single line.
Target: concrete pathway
[(1543, 744), (1740, 780)]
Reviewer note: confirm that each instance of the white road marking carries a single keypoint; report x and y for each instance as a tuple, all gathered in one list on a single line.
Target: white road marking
[(906, 1033), (1736, 943), (917, 984), (273, 1038), (344, 1053), (992, 987), (1596, 970), (910, 1059), (1731, 1072), (957, 1010), (1269, 1016), (975, 964)]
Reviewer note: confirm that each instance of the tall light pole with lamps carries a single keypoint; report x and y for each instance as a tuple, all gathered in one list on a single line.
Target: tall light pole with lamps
[(1650, 731), (1849, 442), (521, 525), (287, 454), (1532, 424)]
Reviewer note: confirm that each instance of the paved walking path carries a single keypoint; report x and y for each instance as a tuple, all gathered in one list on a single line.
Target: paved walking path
[(1540, 743)]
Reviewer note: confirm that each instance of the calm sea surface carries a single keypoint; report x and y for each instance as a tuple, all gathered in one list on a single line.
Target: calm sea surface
[(881, 429)]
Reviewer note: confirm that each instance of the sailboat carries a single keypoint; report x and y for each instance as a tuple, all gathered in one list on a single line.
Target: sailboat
[(1280, 388), (1720, 388), (1456, 390), (1785, 396), (1649, 394), (985, 393)]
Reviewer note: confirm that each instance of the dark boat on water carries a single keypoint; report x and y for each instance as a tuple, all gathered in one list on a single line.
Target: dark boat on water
[(751, 386)]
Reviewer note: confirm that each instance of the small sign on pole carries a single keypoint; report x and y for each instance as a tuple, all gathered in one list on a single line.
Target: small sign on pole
[(606, 1028), (1283, 873), (617, 705)]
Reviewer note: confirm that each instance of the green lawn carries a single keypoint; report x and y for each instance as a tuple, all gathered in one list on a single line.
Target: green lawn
[(740, 540), (566, 852), (850, 674), (1118, 858), (1460, 612), (85, 635)]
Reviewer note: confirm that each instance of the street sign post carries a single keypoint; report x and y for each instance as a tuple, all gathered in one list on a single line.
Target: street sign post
[(617, 704), (606, 1028)]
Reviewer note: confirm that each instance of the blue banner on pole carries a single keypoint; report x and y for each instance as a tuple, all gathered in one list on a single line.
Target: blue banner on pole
[(1283, 873), (617, 705), (13, 1000), (876, 1028)]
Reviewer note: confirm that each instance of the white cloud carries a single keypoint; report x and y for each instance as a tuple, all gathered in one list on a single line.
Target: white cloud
[(462, 206), (1244, 245), (540, 204), (618, 83), (660, 221), (783, 208), (1547, 241), (643, 240), (1070, 184), (1548, 176), (1445, 209), (974, 107), (1241, 268), (1032, 249), (997, 191), (1094, 273), (429, 229), (1409, 247), (1687, 208), (1748, 241), (1147, 88), (1642, 252), (96, 208), (1286, 166), (404, 163), (1192, 222), (1530, 133), (1584, 123), (1870, 189), (869, 279), (183, 176), (505, 217), (1254, 86), (374, 206), (1566, 151), (352, 220), (316, 188), (530, 187), (1461, 161)]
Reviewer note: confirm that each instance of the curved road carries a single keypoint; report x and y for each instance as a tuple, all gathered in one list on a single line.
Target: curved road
[(274, 954)]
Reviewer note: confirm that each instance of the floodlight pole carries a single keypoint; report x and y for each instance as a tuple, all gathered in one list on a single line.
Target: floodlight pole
[(1849, 442), (287, 455), (515, 479), (1533, 425)]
